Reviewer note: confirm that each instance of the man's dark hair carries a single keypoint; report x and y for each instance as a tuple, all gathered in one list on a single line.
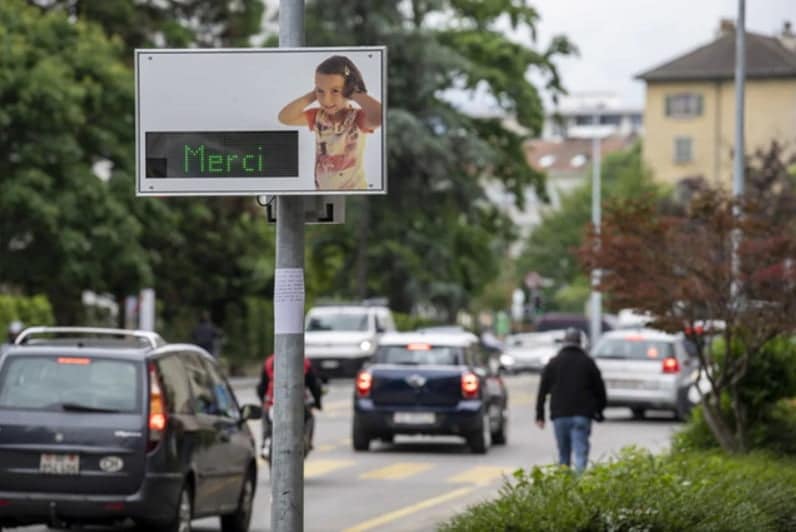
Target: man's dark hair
[(572, 337)]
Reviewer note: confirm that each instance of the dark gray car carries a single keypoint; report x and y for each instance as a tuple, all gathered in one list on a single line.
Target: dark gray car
[(105, 425)]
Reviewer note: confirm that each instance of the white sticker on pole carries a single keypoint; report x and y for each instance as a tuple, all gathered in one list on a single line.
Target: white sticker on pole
[(289, 301)]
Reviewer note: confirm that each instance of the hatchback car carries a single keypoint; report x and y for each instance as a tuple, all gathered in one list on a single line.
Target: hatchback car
[(105, 425), (429, 383), (646, 369)]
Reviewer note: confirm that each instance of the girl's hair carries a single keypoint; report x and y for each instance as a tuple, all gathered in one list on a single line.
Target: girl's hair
[(343, 66)]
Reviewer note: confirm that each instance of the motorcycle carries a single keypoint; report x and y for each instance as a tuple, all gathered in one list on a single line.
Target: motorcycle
[(309, 428)]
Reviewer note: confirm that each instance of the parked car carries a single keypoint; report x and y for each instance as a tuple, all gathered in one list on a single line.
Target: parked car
[(339, 338), (646, 369), (430, 383), (102, 425), (553, 321), (532, 351)]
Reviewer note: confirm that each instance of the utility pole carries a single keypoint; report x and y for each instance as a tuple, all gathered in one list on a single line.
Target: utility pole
[(287, 459), (740, 148), (595, 328)]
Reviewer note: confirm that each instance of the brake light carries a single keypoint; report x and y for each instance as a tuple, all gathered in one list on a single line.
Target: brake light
[(364, 383), (671, 365), (418, 347), (470, 385), (74, 360), (157, 410)]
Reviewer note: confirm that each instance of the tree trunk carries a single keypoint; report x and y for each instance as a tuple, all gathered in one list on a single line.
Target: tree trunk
[(739, 412), (718, 425)]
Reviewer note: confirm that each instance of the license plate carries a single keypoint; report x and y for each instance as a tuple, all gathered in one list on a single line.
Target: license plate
[(413, 418), (60, 464), (329, 364), (625, 384)]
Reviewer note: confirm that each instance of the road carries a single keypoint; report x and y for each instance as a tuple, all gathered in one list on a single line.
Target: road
[(418, 482)]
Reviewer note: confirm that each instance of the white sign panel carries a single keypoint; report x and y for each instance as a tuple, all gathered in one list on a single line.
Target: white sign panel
[(213, 122)]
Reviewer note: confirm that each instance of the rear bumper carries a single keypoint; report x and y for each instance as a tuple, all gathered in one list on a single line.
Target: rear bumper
[(379, 420), (666, 399), (156, 500)]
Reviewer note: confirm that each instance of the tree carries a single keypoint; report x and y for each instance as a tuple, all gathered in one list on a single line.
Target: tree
[(435, 238), (65, 104), (679, 268)]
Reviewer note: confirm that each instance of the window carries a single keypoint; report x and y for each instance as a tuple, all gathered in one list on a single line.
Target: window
[(419, 355), (70, 383), (176, 387), (682, 105), (204, 398), (683, 150), (633, 348), (610, 120), (224, 398), (342, 321)]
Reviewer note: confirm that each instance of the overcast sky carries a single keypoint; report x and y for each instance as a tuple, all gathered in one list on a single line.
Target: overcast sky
[(621, 38)]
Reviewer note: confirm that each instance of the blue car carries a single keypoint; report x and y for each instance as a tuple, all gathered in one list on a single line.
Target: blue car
[(430, 383)]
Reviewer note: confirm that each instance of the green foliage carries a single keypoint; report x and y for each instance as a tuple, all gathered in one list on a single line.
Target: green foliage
[(638, 491), (35, 310), (551, 247)]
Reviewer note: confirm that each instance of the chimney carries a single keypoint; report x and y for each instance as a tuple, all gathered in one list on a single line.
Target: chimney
[(726, 27), (787, 37)]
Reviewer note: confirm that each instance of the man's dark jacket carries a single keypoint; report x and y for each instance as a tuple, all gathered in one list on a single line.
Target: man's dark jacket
[(575, 385)]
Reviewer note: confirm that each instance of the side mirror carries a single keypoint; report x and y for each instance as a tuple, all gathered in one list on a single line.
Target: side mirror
[(251, 412)]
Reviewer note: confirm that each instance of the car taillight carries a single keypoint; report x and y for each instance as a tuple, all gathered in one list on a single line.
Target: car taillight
[(364, 383), (470, 385), (671, 365), (157, 410)]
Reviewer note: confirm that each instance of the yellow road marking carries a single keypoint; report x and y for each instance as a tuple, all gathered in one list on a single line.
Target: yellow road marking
[(480, 475), (397, 471), (408, 510), (316, 468)]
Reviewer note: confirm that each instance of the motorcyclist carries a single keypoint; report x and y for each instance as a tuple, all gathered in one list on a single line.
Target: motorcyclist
[(265, 391)]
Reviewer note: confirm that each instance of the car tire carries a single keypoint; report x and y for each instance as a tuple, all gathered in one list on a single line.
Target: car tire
[(240, 519), (638, 413), (387, 438), (480, 440), (501, 436), (359, 438), (181, 522)]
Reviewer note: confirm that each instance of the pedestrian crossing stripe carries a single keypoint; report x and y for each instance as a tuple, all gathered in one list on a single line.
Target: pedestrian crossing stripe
[(481, 475), (397, 471)]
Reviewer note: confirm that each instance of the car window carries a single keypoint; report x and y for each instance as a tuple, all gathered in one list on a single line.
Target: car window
[(223, 395), (345, 321), (175, 384), (633, 348), (419, 355), (70, 383), (204, 399)]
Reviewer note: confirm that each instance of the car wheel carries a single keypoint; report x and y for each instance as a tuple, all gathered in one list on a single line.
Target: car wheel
[(239, 520), (638, 413), (480, 440), (181, 522), (359, 438), (500, 437)]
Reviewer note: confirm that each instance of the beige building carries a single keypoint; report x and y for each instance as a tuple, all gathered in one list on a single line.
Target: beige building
[(689, 115)]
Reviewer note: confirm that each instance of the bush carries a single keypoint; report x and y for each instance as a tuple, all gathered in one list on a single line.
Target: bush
[(639, 491), (35, 310)]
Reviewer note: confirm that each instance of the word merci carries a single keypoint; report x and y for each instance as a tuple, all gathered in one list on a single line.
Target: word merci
[(221, 163)]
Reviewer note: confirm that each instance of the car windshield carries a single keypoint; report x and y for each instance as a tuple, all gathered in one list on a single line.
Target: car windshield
[(69, 383), (344, 321), (633, 348), (535, 339), (416, 356)]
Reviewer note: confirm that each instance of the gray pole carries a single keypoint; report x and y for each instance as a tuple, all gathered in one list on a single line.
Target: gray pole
[(287, 459), (595, 328), (740, 148), (740, 82)]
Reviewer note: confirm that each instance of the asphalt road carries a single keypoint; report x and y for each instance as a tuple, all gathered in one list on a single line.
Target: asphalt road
[(417, 482)]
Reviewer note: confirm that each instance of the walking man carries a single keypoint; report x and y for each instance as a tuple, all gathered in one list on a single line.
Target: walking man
[(577, 395)]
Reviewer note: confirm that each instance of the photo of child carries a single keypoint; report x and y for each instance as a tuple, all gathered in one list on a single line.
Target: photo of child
[(343, 115)]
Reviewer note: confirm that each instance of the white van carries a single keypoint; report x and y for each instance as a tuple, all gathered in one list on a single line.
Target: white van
[(340, 337)]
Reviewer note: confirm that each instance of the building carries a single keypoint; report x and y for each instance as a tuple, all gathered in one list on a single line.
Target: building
[(575, 115), (689, 115)]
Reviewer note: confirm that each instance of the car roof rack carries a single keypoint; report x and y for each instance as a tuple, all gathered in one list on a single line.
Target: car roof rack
[(151, 339)]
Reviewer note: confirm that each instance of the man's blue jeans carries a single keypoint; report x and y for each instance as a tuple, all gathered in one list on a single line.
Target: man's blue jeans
[(572, 434)]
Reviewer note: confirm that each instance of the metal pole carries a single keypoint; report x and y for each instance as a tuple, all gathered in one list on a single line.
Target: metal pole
[(287, 459), (740, 148), (595, 328)]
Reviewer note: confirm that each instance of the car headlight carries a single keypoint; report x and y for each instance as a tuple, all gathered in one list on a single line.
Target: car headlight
[(366, 345), (507, 360)]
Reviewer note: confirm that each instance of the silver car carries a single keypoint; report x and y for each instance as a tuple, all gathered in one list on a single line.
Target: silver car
[(645, 369), (532, 351)]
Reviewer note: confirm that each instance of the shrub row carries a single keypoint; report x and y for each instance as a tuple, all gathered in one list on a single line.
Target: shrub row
[(637, 491)]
